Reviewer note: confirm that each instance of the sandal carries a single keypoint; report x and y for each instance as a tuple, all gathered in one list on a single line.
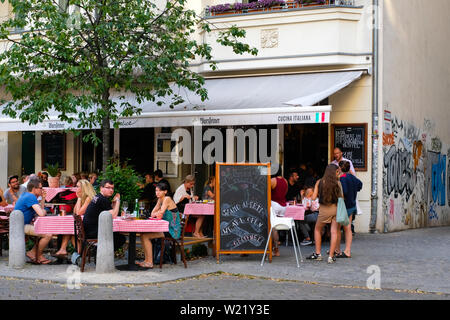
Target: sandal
[(146, 265), (44, 261), (343, 255)]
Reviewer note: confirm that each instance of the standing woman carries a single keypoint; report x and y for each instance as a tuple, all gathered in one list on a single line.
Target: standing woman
[(328, 189), (85, 194), (351, 185), (165, 209), (279, 186)]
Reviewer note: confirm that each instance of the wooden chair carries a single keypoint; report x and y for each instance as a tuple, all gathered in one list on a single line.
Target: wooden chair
[(4, 232), (176, 243), (80, 238)]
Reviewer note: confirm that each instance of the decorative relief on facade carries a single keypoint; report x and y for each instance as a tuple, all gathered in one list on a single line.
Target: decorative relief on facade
[(269, 38)]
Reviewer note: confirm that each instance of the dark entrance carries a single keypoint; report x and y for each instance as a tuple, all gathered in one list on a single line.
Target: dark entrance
[(28, 152), (306, 144), (137, 146)]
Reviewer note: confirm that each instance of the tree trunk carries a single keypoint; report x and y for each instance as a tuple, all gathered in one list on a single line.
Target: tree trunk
[(106, 132)]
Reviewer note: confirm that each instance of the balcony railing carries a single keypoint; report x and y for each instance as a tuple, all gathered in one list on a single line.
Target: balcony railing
[(262, 6)]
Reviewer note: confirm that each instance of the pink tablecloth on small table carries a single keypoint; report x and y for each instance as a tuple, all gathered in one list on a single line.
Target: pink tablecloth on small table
[(200, 209), (149, 225), (9, 208), (54, 225), (65, 225), (52, 192), (297, 212)]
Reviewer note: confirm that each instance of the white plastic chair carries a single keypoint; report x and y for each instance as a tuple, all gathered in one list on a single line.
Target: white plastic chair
[(283, 223)]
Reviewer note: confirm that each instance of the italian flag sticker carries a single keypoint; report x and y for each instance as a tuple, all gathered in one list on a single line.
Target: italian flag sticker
[(320, 117)]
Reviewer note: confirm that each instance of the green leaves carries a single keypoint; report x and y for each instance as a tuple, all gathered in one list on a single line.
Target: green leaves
[(74, 56)]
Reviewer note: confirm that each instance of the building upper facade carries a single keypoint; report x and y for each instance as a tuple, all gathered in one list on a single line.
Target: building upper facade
[(322, 34)]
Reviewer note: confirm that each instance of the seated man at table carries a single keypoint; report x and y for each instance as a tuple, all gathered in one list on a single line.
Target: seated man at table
[(99, 204), (15, 190), (28, 203)]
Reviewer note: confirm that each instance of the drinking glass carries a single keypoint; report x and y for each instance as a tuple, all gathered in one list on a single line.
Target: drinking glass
[(125, 206)]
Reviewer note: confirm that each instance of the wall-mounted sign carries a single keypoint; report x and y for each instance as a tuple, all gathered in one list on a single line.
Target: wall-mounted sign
[(352, 140)]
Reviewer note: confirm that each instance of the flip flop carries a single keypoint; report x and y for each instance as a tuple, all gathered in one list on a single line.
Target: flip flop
[(45, 261), (343, 255), (146, 265), (60, 256), (32, 259)]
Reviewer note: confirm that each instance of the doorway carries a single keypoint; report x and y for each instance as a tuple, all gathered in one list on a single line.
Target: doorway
[(306, 144), (28, 152)]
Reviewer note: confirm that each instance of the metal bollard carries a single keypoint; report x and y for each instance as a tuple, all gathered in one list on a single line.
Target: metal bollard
[(105, 245), (16, 240)]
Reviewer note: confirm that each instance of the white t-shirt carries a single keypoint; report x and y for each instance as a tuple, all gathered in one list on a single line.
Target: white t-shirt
[(352, 169), (180, 193)]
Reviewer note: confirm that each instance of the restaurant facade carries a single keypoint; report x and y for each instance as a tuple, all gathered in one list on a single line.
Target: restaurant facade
[(323, 77)]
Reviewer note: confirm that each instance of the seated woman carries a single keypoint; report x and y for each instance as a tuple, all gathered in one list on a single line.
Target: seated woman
[(167, 210), (68, 182), (85, 194)]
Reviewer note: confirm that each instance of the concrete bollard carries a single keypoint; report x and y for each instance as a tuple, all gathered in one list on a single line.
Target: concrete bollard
[(105, 245), (16, 240)]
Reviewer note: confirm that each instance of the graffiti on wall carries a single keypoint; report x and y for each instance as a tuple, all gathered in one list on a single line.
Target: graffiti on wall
[(416, 176)]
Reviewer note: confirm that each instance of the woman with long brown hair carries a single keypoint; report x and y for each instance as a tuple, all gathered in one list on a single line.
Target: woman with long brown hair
[(329, 190)]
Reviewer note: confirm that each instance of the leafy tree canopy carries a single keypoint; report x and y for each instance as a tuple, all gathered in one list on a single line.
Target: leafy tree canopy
[(71, 55)]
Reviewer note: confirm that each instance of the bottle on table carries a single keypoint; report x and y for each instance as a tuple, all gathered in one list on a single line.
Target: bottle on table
[(136, 210)]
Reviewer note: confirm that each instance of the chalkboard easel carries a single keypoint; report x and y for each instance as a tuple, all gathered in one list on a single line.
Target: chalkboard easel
[(242, 219)]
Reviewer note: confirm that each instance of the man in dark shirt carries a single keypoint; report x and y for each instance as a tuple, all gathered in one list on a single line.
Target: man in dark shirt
[(148, 192), (99, 204), (293, 187), (159, 178)]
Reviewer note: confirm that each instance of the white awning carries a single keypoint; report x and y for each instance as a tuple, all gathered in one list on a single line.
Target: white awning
[(258, 100)]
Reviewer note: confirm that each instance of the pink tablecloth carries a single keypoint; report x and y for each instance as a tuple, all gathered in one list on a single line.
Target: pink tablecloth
[(65, 225), (7, 209), (296, 212), (52, 192), (54, 225), (199, 209)]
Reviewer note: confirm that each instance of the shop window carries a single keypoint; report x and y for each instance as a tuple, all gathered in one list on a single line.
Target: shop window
[(53, 149)]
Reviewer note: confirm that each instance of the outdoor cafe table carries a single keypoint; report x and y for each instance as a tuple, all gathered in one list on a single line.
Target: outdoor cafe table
[(8, 209), (198, 209), (65, 225), (295, 211)]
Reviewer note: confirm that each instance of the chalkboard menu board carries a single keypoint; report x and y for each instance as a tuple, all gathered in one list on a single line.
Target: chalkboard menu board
[(242, 206), (54, 149), (352, 140)]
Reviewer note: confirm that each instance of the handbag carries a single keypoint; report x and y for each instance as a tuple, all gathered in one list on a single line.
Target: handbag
[(342, 216)]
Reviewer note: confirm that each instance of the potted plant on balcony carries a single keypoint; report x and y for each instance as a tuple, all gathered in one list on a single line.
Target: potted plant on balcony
[(53, 180)]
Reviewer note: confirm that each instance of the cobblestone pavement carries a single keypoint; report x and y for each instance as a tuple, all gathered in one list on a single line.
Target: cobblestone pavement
[(218, 286), (413, 264)]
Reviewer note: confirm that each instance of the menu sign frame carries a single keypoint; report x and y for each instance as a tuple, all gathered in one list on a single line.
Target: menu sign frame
[(242, 207), (355, 146)]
